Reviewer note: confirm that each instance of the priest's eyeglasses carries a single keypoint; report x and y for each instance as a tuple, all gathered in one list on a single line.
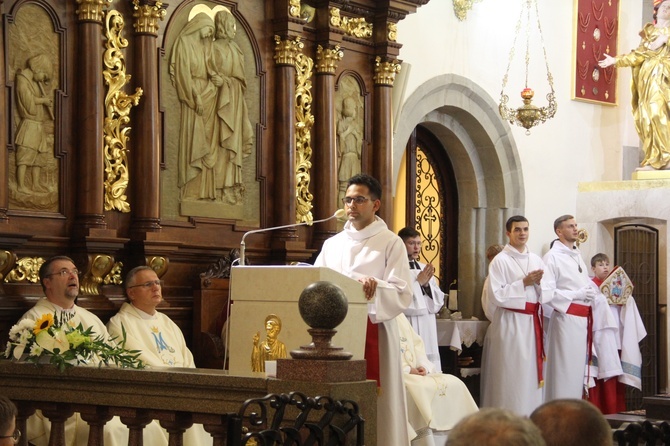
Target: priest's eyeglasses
[(148, 285), (63, 273), (356, 200), (16, 436)]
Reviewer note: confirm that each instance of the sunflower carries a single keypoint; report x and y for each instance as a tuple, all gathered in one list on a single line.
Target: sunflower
[(43, 323)]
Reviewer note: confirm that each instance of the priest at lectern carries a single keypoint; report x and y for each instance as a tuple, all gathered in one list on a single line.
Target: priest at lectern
[(367, 251)]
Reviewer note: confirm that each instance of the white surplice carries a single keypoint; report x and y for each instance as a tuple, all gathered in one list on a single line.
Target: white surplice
[(377, 252), (76, 429), (488, 306), (605, 362), (436, 400), (509, 358), (162, 344), (161, 341), (421, 314), (567, 354), (632, 332)]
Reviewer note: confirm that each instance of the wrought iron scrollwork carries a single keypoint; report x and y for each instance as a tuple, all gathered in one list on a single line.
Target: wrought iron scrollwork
[(320, 420)]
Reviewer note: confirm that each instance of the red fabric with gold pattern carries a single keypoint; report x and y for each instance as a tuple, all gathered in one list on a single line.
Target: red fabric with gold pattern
[(597, 29)]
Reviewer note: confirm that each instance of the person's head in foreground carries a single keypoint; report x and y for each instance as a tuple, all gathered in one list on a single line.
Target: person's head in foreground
[(574, 422), (495, 427), (9, 434)]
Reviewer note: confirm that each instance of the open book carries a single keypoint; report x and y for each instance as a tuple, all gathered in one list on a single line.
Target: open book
[(617, 287)]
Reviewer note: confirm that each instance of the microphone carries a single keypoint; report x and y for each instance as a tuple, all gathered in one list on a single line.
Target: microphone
[(340, 214)]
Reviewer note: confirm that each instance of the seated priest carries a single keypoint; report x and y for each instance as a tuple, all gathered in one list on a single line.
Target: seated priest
[(60, 282), (161, 341), (435, 401)]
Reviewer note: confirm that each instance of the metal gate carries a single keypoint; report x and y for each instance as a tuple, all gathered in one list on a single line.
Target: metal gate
[(636, 251)]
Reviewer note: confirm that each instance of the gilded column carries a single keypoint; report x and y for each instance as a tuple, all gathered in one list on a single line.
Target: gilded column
[(145, 164), (382, 128), (4, 176), (284, 140), (90, 111), (325, 150)]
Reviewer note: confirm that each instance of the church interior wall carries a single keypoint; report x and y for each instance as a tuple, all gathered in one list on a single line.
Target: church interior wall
[(583, 142)]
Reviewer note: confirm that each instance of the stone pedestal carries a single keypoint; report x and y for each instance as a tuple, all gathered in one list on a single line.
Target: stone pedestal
[(651, 175), (320, 370)]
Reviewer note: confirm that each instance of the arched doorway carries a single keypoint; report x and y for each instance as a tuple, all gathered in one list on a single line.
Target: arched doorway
[(463, 119), (431, 203)]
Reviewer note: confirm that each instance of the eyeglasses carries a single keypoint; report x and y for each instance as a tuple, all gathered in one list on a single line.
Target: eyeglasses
[(16, 436), (64, 272), (356, 200), (148, 285)]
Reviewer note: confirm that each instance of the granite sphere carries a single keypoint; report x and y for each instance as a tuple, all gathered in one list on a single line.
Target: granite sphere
[(323, 305)]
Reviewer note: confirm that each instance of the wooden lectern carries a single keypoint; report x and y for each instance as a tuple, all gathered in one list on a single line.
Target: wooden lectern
[(257, 291)]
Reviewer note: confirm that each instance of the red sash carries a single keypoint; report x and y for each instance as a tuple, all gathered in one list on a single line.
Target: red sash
[(587, 312), (372, 352), (535, 309)]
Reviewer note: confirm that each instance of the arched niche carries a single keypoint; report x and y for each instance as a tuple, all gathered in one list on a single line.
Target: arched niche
[(487, 166)]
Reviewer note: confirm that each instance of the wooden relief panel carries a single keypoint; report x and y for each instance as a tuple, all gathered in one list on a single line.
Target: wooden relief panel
[(350, 118), (33, 67), (210, 94)]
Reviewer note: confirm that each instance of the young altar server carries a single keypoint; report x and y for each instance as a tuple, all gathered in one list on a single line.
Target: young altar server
[(428, 297)]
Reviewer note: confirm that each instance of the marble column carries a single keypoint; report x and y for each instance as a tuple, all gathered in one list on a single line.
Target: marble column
[(324, 173), (284, 140), (382, 129), (90, 111), (146, 123)]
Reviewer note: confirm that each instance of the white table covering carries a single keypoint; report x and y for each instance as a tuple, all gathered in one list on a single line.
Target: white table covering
[(455, 334)]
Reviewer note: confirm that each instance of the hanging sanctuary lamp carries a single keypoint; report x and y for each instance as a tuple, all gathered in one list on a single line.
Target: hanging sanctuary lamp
[(527, 115)]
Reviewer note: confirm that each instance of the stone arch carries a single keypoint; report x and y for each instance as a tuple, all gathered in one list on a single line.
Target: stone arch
[(487, 166)]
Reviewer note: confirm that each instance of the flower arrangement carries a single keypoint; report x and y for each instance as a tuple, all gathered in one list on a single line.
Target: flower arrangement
[(64, 345)]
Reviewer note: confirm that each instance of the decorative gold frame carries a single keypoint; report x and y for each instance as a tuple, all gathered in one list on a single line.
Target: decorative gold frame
[(117, 115)]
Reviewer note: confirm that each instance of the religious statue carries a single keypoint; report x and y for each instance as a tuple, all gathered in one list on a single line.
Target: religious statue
[(349, 144), (189, 73), (650, 62), (34, 136), (271, 348), (234, 134)]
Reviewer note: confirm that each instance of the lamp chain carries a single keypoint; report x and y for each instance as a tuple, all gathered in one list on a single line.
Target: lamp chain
[(528, 115)]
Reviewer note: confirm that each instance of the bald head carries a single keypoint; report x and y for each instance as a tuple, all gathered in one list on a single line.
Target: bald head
[(574, 422), (495, 427)]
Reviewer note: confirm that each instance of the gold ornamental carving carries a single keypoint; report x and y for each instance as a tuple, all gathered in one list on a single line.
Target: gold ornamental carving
[(92, 10), (352, 26), (461, 8), (303, 136), (114, 276), (26, 269), (158, 264), (147, 17), (117, 115), (392, 31), (294, 8), (99, 265), (7, 262), (327, 59), (385, 71), (287, 50), (582, 236)]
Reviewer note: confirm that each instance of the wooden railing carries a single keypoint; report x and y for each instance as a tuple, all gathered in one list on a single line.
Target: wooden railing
[(177, 398)]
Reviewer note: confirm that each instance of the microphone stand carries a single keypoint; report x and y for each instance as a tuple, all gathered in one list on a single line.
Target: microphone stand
[(339, 214)]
